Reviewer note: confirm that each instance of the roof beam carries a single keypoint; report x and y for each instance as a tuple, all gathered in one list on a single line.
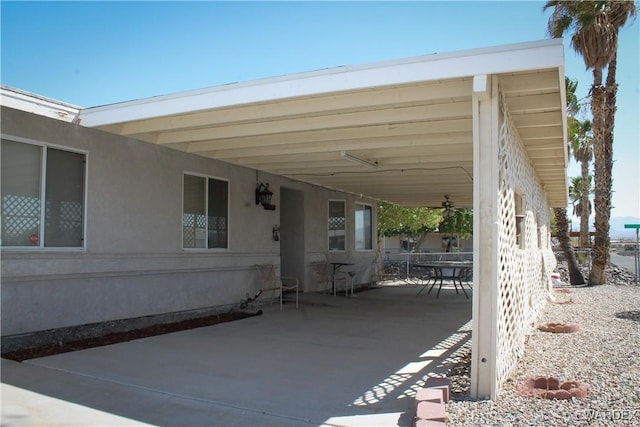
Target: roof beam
[(325, 169), (453, 145), (541, 132), (459, 179), (525, 120), (384, 130), (529, 83), (332, 121), (399, 142), (534, 103)]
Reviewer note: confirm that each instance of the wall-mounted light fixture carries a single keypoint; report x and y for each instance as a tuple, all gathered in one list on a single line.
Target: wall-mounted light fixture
[(359, 160), (263, 197)]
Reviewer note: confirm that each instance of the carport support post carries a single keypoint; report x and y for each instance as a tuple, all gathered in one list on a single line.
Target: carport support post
[(485, 237)]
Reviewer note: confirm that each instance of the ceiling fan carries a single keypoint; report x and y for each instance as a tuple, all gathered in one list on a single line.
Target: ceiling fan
[(448, 206)]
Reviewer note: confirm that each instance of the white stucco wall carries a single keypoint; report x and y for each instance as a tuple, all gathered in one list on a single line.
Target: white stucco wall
[(133, 264)]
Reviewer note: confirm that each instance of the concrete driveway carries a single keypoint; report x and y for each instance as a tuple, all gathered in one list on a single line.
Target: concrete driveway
[(335, 361)]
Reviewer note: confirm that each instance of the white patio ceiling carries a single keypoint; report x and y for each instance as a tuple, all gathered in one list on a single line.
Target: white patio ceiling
[(412, 118)]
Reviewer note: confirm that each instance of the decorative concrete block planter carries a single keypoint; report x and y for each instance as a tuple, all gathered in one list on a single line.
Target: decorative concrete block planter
[(551, 388), (430, 403), (559, 328)]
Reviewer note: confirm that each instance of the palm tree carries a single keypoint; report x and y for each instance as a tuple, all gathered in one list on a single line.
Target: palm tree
[(575, 194), (562, 227), (573, 103), (562, 224), (562, 232), (581, 204), (580, 143), (595, 26), (581, 140)]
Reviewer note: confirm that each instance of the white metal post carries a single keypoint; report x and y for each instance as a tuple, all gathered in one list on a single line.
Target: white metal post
[(485, 241)]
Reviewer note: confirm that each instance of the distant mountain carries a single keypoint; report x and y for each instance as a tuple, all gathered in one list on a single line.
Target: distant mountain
[(617, 230)]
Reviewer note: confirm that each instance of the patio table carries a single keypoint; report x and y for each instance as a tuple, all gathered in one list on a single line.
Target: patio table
[(449, 270)]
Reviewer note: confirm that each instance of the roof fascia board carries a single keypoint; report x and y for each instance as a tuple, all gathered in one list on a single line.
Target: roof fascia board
[(543, 54), (32, 103), (565, 131)]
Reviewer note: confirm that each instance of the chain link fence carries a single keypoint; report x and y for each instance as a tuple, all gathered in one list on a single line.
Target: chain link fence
[(399, 266)]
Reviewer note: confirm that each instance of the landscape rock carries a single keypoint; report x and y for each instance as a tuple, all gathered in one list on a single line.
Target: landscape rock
[(603, 355)]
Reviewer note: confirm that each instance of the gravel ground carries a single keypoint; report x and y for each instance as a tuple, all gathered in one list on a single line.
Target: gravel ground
[(605, 355)]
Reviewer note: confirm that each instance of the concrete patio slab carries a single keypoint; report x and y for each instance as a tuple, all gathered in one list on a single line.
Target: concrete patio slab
[(336, 361)]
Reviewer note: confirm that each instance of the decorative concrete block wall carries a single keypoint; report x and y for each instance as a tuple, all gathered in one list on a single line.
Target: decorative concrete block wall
[(525, 258)]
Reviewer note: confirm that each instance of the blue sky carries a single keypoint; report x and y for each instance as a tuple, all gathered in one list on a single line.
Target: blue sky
[(95, 53)]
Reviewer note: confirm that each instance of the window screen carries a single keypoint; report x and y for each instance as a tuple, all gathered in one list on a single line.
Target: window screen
[(64, 199), (218, 203)]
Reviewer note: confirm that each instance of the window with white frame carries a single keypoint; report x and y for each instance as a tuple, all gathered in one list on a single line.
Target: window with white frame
[(407, 244), (337, 222), (205, 217), (363, 227), (42, 196)]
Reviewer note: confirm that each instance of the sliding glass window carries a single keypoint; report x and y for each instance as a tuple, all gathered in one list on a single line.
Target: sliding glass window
[(39, 212), (205, 218)]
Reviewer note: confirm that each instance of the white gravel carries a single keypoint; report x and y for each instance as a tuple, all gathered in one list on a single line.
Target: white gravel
[(605, 355)]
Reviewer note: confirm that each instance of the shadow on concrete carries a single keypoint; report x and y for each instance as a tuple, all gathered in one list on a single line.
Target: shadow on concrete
[(336, 361)]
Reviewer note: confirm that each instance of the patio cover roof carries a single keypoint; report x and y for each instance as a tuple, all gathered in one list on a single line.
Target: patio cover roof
[(410, 119)]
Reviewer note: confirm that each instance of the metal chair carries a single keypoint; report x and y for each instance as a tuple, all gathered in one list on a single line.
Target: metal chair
[(322, 272), (428, 276), (466, 276), (343, 277), (271, 282), (329, 279)]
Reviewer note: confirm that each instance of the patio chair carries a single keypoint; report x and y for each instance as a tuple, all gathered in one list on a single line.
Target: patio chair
[(419, 275), (345, 278), (277, 285), (466, 276), (392, 270), (322, 273), (330, 280), (427, 276)]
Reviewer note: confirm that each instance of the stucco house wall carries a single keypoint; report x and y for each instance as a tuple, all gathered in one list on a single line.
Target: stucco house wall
[(133, 263)]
